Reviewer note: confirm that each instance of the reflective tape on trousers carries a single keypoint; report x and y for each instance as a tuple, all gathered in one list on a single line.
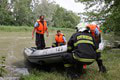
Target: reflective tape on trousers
[(82, 59), (67, 65)]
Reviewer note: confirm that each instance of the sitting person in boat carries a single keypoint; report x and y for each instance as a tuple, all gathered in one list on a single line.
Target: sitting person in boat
[(60, 39)]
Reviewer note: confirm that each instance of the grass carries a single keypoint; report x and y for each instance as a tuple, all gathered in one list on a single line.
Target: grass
[(27, 28), (36, 75), (15, 28), (110, 58)]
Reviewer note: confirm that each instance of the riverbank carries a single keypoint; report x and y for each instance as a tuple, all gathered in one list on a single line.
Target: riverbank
[(13, 43), (14, 39), (28, 28), (110, 58)]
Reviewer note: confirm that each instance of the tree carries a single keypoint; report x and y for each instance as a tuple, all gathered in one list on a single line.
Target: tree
[(26, 12), (64, 18), (105, 9), (6, 17), (22, 12), (44, 8)]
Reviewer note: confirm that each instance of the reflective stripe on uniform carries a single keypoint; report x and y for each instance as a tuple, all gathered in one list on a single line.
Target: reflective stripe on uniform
[(82, 59), (69, 47), (54, 45), (67, 65), (98, 50), (84, 37), (83, 41)]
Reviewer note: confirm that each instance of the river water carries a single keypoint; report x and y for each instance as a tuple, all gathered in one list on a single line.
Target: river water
[(12, 45)]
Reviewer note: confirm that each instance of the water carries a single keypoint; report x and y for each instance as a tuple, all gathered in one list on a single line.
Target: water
[(12, 45)]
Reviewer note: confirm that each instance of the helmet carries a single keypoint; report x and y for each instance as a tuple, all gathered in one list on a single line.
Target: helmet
[(81, 27), (94, 23)]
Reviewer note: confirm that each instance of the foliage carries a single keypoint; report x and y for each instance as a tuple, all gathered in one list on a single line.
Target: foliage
[(64, 18), (5, 13), (105, 10), (2, 66), (45, 8), (22, 12), (26, 12)]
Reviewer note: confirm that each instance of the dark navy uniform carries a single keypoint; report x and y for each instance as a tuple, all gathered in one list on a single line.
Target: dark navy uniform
[(83, 46), (40, 41), (81, 50)]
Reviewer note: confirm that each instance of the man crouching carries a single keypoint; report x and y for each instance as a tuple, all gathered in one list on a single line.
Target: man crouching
[(81, 50)]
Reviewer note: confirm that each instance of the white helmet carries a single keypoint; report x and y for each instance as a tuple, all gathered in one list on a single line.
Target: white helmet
[(94, 23), (81, 27)]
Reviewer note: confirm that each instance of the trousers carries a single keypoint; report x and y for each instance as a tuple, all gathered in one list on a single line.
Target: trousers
[(40, 42)]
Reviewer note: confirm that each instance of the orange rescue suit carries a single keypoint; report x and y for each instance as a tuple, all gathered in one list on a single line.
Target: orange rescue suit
[(41, 28), (59, 38)]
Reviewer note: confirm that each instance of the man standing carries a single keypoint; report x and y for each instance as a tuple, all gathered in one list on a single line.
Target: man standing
[(40, 28), (60, 39)]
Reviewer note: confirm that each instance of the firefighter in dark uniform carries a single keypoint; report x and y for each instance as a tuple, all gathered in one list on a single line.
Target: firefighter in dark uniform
[(81, 50)]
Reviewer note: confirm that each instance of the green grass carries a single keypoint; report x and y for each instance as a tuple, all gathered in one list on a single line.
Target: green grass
[(36, 75), (15, 28), (27, 28), (111, 59)]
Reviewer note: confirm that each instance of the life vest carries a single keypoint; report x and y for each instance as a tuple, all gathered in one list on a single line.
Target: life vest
[(92, 29), (59, 39), (41, 28)]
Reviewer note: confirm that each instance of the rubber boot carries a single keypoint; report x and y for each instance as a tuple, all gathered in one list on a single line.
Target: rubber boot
[(71, 73), (79, 69), (102, 68)]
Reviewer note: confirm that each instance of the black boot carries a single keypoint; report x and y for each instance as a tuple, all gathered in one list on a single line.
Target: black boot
[(79, 69), (71, 73), (102, 68)]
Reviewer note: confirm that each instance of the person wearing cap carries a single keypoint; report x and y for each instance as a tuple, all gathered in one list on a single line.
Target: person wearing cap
[(60, 39), (81, 50), (40, 28)]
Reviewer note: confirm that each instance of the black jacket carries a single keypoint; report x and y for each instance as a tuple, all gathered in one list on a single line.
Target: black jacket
[(83, 45)]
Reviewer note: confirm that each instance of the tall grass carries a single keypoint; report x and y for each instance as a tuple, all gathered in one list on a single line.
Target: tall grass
[(111, 59), (27, 28), (15, 28), (37, 75)]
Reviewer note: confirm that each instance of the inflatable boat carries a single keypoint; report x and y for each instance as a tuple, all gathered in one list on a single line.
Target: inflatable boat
[(48, 55)]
